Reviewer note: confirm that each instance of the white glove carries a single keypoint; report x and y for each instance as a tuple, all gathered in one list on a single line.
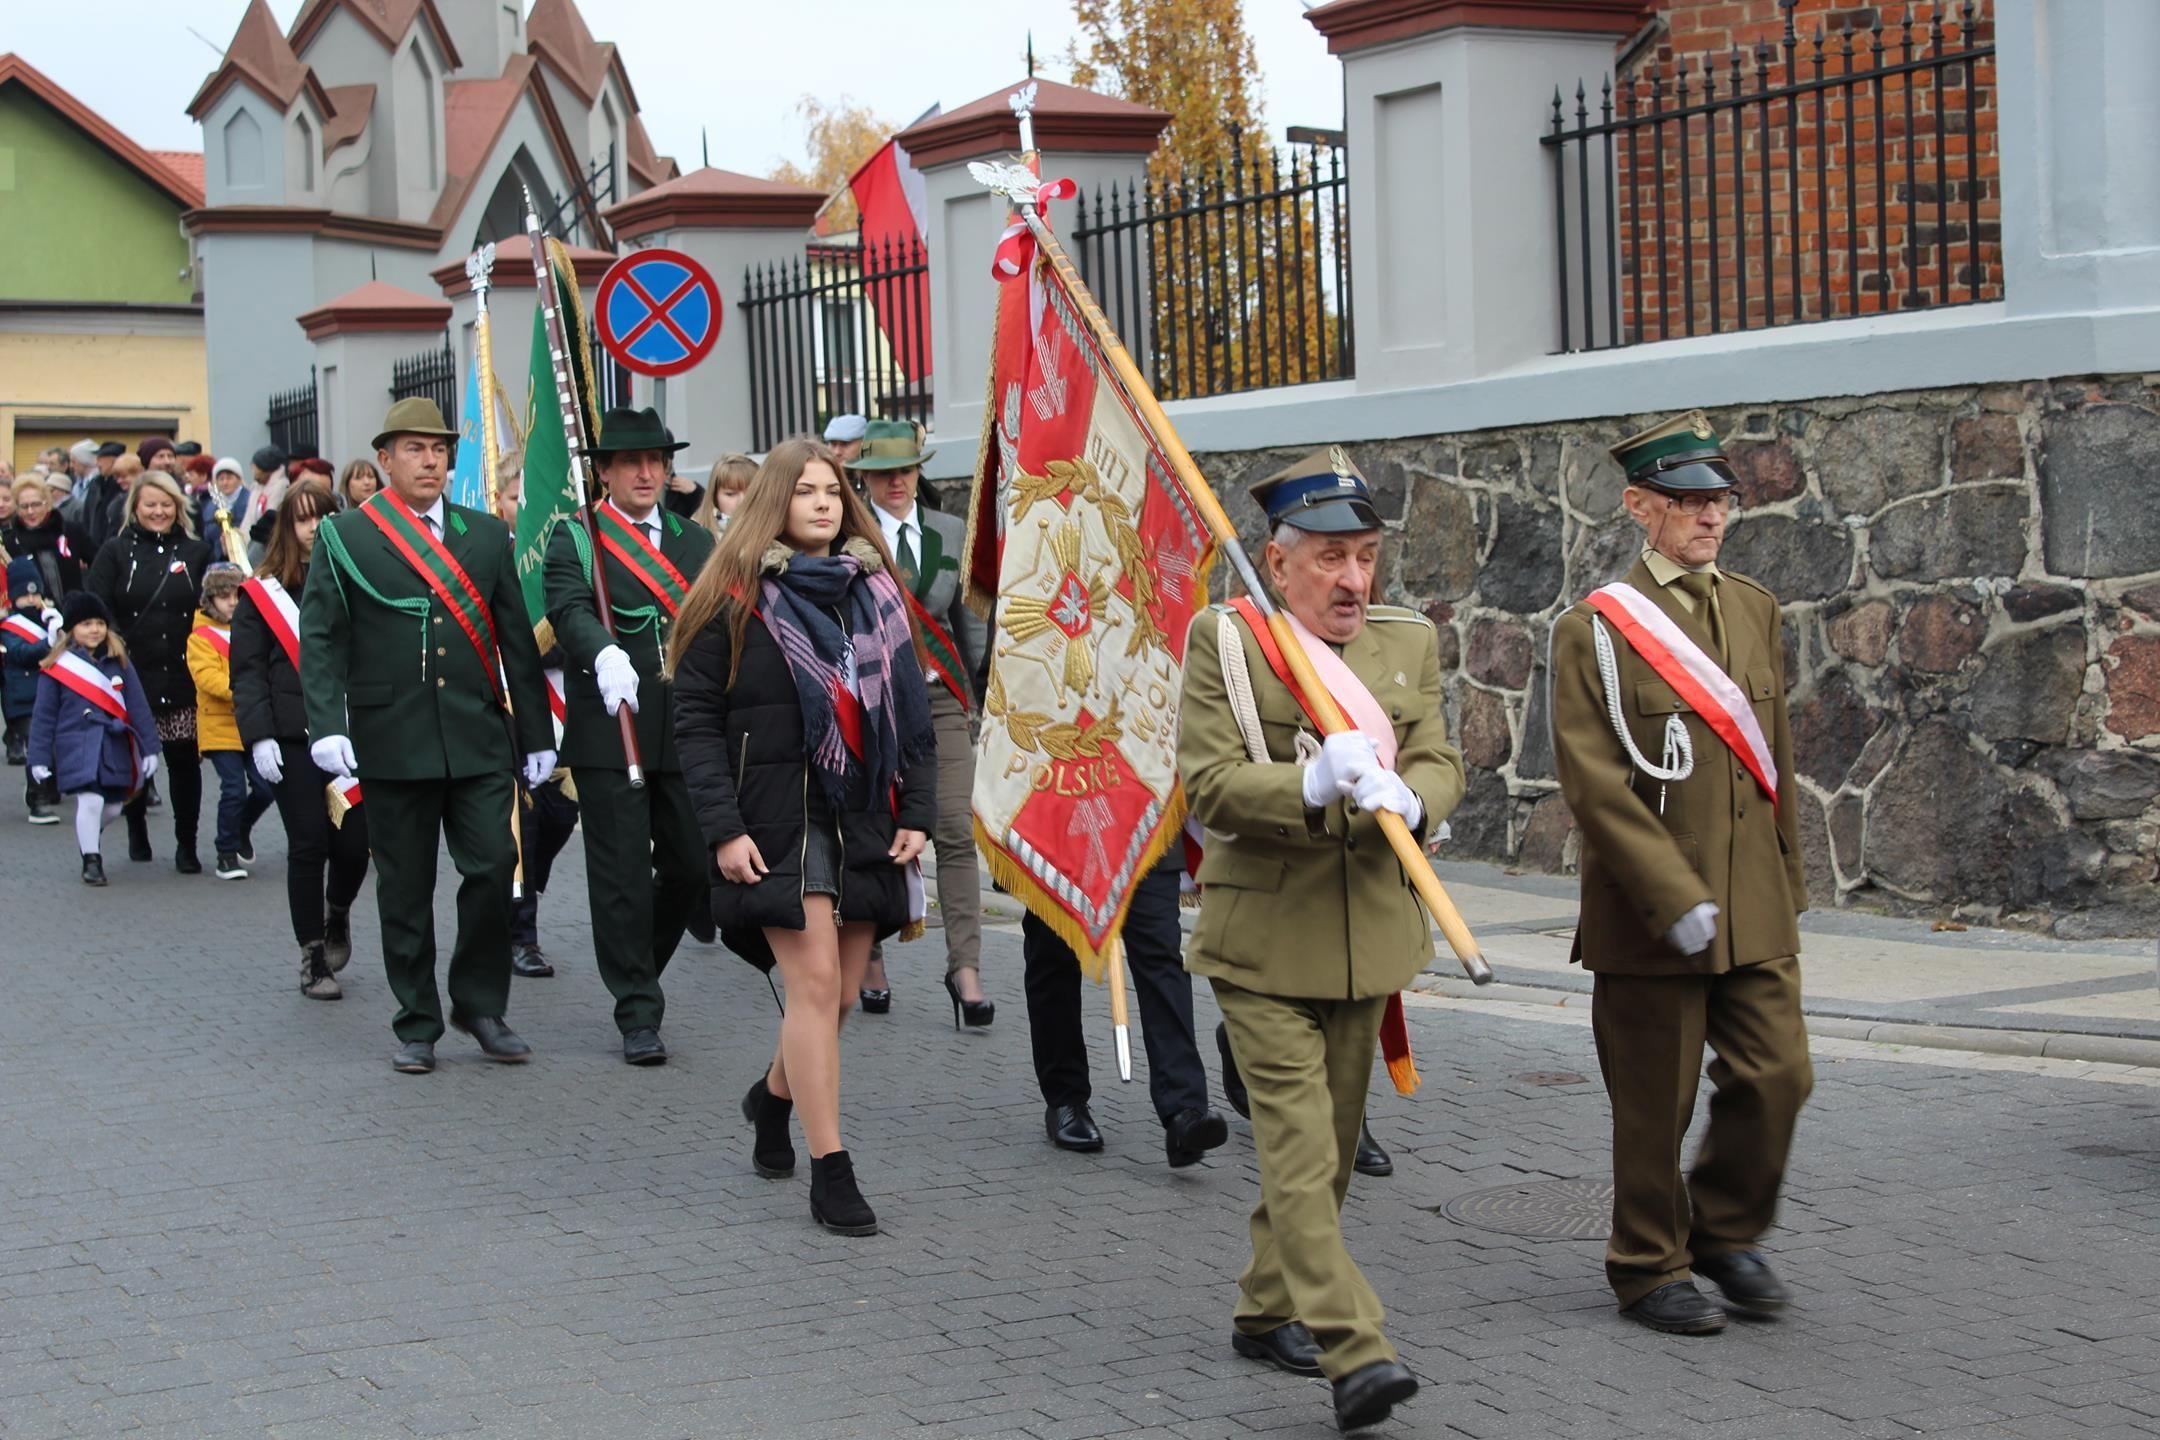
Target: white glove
[(1692, 933), (149, 766), (269, 761), (334, 753), (1383, 789), (41, 773), (618, 679), (1343, 760), (538, 766), (51, 618)]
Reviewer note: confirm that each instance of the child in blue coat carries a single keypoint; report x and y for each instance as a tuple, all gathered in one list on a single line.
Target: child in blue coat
[(85, 751), (26, 635)]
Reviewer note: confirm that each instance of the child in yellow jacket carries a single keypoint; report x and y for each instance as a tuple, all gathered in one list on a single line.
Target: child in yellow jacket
[(242, 795)]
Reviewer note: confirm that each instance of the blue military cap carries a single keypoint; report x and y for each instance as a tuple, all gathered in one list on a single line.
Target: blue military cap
[(1323, 493)]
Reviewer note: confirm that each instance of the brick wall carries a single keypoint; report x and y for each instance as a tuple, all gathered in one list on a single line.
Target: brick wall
[(1831, 225)]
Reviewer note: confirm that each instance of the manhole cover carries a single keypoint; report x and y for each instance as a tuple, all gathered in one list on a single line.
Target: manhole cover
[(1540, 1210), (1551, 1077)]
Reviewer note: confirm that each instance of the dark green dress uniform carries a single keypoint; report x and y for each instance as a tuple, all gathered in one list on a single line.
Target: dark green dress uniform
[(1307, 924), (1652, 851), (646, 865), (383, 664)]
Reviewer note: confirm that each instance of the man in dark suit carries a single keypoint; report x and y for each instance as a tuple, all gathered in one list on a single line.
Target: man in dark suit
[(646, 866), (414, 646)]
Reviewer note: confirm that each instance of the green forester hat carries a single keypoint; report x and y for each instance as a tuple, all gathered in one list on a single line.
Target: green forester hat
[(414, 415), (888, 445), (1682, 453)]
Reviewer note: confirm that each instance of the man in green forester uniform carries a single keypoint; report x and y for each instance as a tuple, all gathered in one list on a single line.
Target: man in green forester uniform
[(645, 859), (1307, 920), (411, 626), (1672, 746)]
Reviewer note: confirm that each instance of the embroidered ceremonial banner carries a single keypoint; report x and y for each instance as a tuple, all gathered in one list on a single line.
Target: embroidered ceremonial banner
[(1096, 559), (627, 543), (275, 604), (1698, 679)]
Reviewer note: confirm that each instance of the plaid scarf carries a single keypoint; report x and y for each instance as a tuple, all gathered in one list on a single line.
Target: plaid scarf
[(798, 595)]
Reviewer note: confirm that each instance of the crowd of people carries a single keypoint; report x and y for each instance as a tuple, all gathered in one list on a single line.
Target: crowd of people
[(755, 697)]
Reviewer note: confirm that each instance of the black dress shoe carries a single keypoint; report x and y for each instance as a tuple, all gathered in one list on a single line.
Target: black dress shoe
[(1371, 1159), (1677, 1309), (1747, 1280), (497, 1040), (414, 1057), (835, 1201), (1191, 1134), (642, 1047), (1070, 1127), (1287, 1347), (1370, 1393), (527, 961), (1233, 1084), (772, 1153)]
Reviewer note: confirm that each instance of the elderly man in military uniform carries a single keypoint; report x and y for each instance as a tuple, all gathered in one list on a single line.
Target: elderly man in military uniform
[(1307, 923), (645, 859), (1671, 742), (413, 636)]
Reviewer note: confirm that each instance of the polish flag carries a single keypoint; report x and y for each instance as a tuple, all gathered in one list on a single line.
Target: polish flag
[(895, 207)]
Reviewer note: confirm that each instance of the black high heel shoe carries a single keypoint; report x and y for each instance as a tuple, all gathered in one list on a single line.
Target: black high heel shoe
[(875, 1002), (977, 1013)]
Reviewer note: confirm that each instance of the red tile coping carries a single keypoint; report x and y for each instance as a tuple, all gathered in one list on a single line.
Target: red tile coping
[(1068, 120), (708, 198), (375, 307), (1352, 25)]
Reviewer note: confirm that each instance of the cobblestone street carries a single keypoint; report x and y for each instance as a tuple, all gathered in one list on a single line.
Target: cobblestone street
[(224, 1214)]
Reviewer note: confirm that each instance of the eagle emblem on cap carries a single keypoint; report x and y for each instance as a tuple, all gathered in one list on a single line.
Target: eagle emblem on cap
[(1701, 426), (1339, 460)]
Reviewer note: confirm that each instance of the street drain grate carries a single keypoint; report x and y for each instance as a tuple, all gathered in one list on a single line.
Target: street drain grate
[(1551, 1077), (1539, 1210)]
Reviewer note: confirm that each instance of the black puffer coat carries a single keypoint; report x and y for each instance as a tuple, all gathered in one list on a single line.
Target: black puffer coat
[(267, 704), (151, 581), (742, 754)]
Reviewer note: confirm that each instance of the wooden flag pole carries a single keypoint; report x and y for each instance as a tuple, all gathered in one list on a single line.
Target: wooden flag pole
[(1412, 855), (1114, 973)]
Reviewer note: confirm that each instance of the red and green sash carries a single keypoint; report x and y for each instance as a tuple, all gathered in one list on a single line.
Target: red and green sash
[(627, 543), (218, 640), (452, 588), (944, 654)]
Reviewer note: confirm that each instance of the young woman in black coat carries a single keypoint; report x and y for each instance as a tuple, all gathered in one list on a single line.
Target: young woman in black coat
[(803, 726), (272, 717), (149, 574)]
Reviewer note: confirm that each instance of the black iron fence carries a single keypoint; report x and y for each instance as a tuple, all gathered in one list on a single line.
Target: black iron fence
[(292, 420), (1851, 174), (843, 330), (429, 375), (1228, 278)]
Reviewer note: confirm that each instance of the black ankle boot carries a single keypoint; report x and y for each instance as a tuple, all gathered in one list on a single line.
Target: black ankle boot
[(772, 1154), (93, 869), (138, 836), (835, 1203)]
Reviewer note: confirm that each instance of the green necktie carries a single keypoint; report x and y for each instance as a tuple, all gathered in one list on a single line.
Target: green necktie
[(1703, 586), (904, 557)]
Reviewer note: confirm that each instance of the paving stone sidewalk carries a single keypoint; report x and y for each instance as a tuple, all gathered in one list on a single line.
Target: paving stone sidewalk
[(221, 1213)]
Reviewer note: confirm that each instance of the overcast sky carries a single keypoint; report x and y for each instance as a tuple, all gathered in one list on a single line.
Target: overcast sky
[(728, 67)]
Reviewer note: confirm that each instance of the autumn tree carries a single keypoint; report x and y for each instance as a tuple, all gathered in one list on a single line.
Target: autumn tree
[(1243, 294), (840, 136)]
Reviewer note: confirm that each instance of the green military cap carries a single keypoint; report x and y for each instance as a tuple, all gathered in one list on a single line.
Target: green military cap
[(888, 445), (1682, 453), (624, 429), (414, 415), (1323, 493)]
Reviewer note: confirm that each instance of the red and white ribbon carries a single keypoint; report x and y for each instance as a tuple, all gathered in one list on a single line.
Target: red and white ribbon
[(1015, 255), (278, 611), (90, 683), (558, 703), (1694, 676), (22, 627)]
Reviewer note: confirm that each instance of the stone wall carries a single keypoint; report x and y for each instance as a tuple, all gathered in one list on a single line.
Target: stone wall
[(1971, 581)]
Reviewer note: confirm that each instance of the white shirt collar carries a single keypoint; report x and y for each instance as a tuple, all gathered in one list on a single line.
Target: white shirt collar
[(891, 523), (435, 513), (651, 521)]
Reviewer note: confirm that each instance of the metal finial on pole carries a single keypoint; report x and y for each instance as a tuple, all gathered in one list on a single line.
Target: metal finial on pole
[(1031, 54), (1022, 101)]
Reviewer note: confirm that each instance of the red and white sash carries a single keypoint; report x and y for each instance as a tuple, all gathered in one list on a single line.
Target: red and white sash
[(348, 789), (1697, 678), (278, 612), (90, 683), (218, 639), (22, 627), (558, 703)]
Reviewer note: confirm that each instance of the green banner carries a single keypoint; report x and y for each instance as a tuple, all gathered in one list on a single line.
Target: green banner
[(548, 493)]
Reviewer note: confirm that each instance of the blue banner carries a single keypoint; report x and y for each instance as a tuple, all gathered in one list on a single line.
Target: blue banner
[(467, 487)]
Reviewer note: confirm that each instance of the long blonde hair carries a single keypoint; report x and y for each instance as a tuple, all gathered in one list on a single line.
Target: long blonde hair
[(730, 580), (733, 472), (115, 647)]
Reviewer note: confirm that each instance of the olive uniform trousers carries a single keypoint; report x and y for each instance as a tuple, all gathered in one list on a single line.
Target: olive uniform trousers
[(405, 820), (1650, 1032), (1307, 1064), (645, 869)]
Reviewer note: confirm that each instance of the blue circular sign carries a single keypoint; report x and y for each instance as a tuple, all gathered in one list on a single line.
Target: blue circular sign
[(657, 312)]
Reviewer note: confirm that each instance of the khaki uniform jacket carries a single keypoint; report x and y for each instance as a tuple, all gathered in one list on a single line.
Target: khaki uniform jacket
[(1719, 837), (1306, 903)]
